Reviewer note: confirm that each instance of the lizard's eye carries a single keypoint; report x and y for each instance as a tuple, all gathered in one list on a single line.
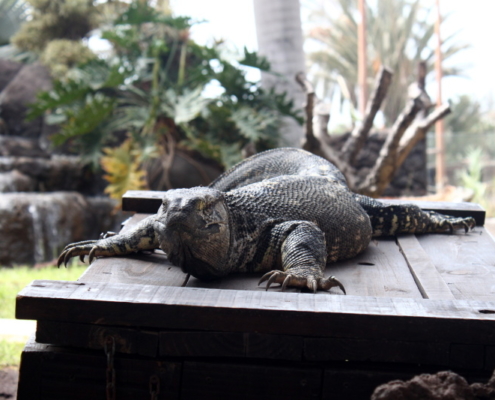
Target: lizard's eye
[(164, 204)]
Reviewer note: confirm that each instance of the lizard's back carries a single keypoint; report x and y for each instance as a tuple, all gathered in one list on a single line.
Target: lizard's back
[(293, 185)]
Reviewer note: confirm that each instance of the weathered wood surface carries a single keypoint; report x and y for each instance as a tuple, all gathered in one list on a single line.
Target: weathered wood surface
[(466, 263), (232, 381), (148, 202), (270, 312), (127, 341), (429, 282), (60, 373)]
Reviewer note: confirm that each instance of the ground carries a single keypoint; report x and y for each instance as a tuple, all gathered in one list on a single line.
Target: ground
[(8, 383)]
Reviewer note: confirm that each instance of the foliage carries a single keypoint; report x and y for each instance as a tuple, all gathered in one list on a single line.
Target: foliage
[(12, 14), (399, 35), (60, 55), (161, 90), (15, 279), (471, 178), (123, 169), (55, 31), (466, 116), (10, 352)]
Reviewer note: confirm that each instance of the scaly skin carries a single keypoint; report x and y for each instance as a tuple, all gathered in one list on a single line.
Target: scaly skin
[(285, 212)]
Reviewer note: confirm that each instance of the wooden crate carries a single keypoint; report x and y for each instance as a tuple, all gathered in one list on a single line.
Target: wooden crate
[(415, 304)]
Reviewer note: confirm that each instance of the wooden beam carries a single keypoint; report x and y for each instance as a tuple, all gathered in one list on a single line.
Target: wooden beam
[(147, 306), (429, 281)]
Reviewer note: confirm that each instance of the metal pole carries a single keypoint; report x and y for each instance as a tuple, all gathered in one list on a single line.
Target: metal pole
[(362, 62), (439, 126)]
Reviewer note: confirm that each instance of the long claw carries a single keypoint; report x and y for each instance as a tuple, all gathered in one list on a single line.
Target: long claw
[(60, 259), (67, 256), (271, 280), (79, 244), (339, 284), (265, 277), (92, 255), (286, 282), (81, 257)]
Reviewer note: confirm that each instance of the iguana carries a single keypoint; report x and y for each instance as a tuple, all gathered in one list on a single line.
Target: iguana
[(283, 211)]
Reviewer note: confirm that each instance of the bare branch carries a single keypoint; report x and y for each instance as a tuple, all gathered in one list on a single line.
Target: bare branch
[(310, 143), (382, 173), (357, 139), (417, 132), (314, 144)]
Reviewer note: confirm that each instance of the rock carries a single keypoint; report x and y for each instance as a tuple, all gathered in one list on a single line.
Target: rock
[(19, 147), (15, 181), (35, 227), (16, 96), (58, 173), (8, 70), (445, 385)]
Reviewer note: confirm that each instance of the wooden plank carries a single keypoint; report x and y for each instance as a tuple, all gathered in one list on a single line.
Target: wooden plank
[(146, 201), (230, 344), (128, 341), (133, 221), (274, 347), (236, 282), (145, 269), (168, 308), (29, 386), (142, 201), (232, 381), (67, 373), (468, 356), (466, 262), (201, 344), (429, 281), (489, 358), (380, 271), (380, 351)]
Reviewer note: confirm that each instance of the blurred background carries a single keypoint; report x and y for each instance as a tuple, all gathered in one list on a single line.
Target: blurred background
[(101, 97)]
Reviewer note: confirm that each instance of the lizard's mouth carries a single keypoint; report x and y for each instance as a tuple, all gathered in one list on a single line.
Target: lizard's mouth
[(182, 256)]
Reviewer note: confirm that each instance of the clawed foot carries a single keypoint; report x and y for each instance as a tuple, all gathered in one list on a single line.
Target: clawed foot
[(449, 223), (311, 282), (90, 248)]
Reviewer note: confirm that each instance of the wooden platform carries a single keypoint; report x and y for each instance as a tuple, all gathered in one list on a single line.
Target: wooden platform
[(415, 304)]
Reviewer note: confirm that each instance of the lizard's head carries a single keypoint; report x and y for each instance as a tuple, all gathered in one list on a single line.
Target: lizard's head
[(193, 229)]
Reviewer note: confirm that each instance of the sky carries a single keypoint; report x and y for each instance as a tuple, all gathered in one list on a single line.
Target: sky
[(233, 20)]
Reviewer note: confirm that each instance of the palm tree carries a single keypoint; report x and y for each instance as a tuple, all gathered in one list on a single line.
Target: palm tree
[(399, 33), (280, 40)]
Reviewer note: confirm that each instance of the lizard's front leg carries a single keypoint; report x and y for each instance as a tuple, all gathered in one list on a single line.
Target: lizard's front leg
[(141, 237), (304, 257)]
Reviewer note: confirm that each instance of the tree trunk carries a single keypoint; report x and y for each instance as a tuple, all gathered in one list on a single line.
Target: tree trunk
[(280, 40)]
